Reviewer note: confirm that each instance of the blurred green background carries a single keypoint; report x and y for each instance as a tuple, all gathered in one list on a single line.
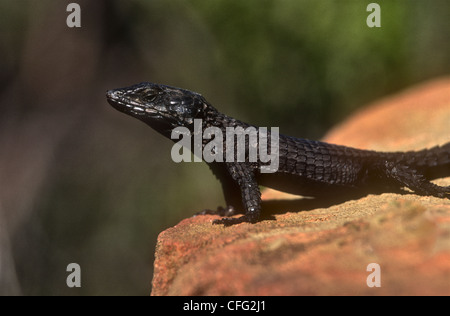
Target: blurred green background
[(81, 182)]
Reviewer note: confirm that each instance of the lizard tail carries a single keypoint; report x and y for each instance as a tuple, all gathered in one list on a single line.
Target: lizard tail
[(431, 163)]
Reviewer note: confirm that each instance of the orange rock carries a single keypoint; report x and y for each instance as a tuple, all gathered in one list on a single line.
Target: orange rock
[(326, 251)]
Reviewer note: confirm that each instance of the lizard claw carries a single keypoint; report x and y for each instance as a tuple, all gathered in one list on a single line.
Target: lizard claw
[(221, 211), (232, 221)]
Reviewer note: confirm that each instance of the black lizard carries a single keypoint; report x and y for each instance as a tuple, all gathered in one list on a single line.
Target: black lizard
[(308, 168)]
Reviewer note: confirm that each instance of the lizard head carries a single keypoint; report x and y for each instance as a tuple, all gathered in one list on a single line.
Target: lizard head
[(162, 107)]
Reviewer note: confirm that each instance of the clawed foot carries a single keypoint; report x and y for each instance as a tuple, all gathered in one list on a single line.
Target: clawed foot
[(231, 221), (221, 211), (226, 213)]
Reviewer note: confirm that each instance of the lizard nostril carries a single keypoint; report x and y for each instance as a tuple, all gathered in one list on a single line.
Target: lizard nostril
[(113, 94)]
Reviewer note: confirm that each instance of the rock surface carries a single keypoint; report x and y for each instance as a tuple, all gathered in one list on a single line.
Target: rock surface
[(326, 250)]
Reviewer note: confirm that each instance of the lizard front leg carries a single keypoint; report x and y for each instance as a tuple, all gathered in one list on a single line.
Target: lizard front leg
[(243, 175), (231, 192)]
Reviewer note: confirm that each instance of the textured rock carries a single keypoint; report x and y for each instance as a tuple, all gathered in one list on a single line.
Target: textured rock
[(326, 250)]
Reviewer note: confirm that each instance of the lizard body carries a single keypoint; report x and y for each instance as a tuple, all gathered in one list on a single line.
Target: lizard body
[(305, 167)]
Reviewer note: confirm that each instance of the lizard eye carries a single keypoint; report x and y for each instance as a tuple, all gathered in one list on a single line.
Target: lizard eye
[(149, 98)]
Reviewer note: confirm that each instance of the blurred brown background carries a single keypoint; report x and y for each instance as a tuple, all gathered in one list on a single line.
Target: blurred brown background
[(81, 182)]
